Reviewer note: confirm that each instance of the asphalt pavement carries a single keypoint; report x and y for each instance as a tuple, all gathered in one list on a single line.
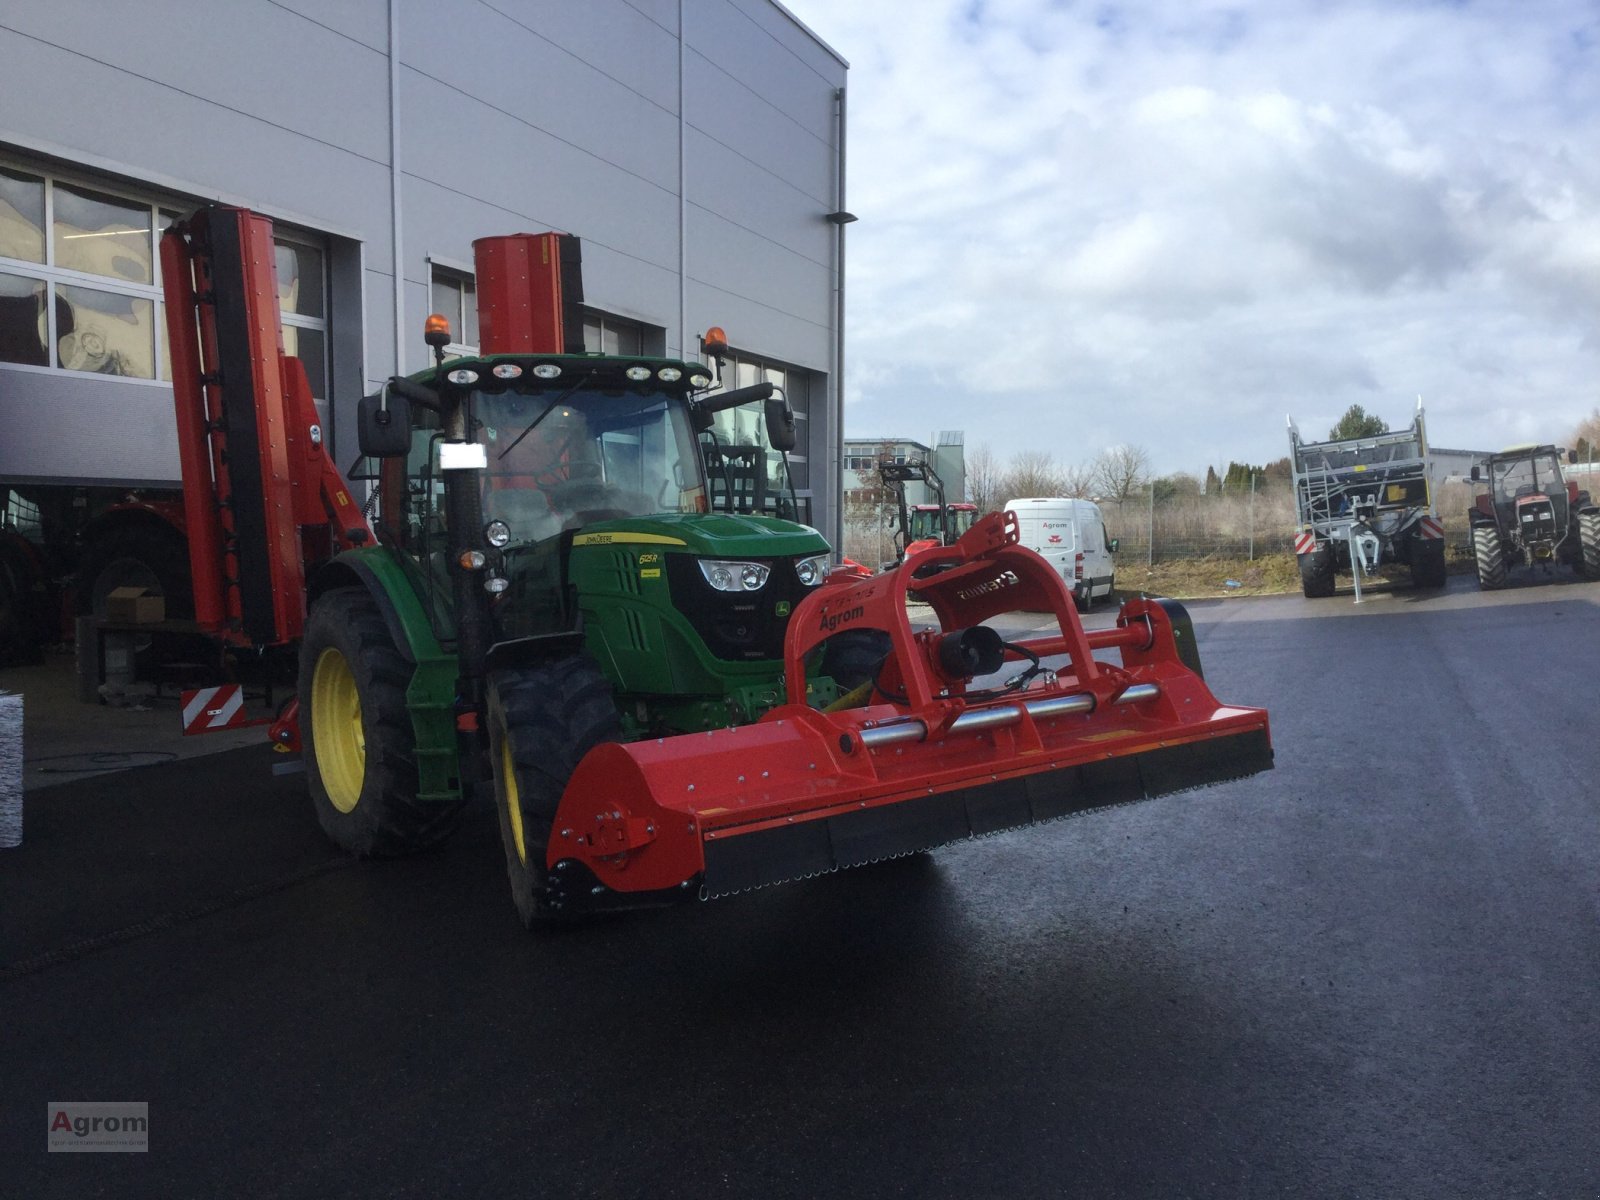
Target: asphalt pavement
[(1370, 972)]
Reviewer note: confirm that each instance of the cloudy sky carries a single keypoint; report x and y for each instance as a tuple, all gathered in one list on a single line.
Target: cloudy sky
[(1168, 223)]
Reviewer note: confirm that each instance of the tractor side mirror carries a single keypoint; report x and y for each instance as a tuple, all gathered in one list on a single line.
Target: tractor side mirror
[(701, 411), (1113, 544), (1572, 458), (383, 424), (1477, 473), (780, 424)]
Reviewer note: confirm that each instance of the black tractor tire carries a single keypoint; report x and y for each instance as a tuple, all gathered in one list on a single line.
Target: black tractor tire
[(853, 657), (24, 609), (1316, 574), (360, 748), (1491, 557), (1427, 562), (1589, 540), (154, 557), (542, 720)]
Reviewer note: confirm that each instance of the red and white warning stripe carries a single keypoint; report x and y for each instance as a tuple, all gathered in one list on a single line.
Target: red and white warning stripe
[(1432, 527), (1305, 543), (206, 710)]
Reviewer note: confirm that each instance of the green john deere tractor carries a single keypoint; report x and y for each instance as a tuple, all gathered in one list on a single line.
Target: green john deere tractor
[(547, 557)]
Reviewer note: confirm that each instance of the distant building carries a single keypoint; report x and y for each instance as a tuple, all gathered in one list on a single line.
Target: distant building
[(1452, 466), (947, 457)]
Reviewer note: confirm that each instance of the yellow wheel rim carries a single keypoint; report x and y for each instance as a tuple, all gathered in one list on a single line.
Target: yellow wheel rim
[(336, 731), (508, 773)]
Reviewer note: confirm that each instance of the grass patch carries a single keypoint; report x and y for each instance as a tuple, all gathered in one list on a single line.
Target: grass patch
[(1265, 575)]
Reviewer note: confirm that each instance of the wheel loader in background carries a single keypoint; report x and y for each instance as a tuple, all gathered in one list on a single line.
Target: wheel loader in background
[(1530, 515), (546, 610), (921, 526)]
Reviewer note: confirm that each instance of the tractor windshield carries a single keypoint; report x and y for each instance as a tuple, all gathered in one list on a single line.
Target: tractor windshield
[(961, 520), (924, 523), (563, 459), (1527, 476)]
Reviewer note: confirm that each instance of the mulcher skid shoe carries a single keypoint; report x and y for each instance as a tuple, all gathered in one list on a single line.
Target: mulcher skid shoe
[(930, 758)]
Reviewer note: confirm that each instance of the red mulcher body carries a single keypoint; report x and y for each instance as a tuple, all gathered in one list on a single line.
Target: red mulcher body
[(929, 760)]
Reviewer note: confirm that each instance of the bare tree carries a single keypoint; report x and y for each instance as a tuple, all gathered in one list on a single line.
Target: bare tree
[(1031, 473), (1586, 437), (1120, 471), (1078, 480), (870, 514), (984, 478)]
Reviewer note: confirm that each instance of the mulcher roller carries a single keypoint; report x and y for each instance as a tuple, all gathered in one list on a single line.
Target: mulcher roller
[(931, 756)]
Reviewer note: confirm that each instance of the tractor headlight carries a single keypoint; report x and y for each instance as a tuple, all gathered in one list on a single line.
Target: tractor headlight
[(463, 377), (734, 576), (669, 374), (495, 584), (497, 534), (812, 570)]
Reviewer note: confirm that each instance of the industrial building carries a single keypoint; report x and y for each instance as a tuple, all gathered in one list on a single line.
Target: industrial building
[(696, 146)]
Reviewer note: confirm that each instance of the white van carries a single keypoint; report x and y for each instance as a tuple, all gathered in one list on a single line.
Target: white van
[(1071, 535)]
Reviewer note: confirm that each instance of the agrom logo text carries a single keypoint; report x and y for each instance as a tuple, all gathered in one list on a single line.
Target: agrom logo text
[(79, 1127)]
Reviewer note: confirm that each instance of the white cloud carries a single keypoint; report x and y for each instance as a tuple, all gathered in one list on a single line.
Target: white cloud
[(1168, 223)]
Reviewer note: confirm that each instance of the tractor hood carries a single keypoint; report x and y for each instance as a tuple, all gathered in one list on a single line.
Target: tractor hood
[(708, 535)]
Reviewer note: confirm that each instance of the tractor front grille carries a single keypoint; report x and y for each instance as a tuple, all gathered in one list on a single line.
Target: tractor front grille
[(1536, 519), (737, 626)]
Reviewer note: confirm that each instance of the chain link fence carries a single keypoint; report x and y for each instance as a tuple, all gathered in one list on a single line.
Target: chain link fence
[(1245, 526), (1250, 526)]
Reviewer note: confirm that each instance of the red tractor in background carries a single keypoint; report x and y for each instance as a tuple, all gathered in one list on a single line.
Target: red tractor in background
[(1531, 516)]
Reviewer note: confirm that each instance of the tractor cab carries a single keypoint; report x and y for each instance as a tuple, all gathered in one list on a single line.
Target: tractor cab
[(1527, 498)]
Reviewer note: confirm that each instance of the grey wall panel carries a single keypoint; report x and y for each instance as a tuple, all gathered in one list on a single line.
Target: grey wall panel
[(444, 223), (246, 55), (534, 176), (86, 428), (787, 292), (724, 109), (762, 59), (784, 25), (151, 132), (364, 21), (568, 57), (724, 184)]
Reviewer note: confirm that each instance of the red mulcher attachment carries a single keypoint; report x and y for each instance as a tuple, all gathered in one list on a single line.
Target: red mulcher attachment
[(929, 759)]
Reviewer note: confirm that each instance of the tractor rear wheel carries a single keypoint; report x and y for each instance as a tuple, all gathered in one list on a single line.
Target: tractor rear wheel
[(1589, 539), (1316, 574), (542, 720), (1491, 557), (1427, 562), (360, 746)]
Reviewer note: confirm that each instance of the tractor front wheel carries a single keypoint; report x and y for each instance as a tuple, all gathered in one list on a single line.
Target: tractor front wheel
[(1589, 539), (542, 721), (1491, 557), (360, 746)]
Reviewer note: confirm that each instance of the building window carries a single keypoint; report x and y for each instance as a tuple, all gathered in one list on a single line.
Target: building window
[(746, 425), (87, 297), (454, 296), (605, 334)]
